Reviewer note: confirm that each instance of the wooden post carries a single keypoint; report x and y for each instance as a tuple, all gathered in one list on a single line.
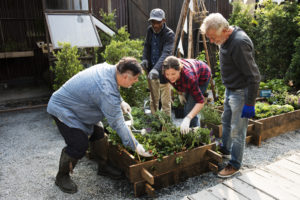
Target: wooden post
[(190, 42), (208, 63), (180, 24), (147, 176), (202, 5)]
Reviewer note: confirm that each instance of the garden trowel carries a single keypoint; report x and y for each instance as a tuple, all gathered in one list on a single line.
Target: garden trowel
[(129, 123)]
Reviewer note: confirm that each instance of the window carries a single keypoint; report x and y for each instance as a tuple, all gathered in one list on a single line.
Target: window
[(77, 29)]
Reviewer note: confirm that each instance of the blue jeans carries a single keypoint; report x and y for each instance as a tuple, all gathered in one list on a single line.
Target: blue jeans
[(234, 127), (190, 103)]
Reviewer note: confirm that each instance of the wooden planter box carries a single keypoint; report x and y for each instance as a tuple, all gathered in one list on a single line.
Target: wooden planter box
[(276, 125), (217, 131), (151, 175), (252, 131)]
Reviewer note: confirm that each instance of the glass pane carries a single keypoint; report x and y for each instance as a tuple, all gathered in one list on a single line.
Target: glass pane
[(67, 4), (76, 29)]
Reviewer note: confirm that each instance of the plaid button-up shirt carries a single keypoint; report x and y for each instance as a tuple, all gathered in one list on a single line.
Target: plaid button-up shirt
[(193, 74)]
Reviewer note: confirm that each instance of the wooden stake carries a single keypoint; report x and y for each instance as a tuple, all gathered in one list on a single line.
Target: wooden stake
[(190, 42), (180, 24)]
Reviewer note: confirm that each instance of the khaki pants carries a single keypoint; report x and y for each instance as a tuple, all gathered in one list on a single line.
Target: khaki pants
[(162, 92)]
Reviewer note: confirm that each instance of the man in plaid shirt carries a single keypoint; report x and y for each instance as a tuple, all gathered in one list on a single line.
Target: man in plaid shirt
[(191, 78)]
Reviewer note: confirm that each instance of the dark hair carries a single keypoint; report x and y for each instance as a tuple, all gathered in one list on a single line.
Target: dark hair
[(171, 62), (129, 64)]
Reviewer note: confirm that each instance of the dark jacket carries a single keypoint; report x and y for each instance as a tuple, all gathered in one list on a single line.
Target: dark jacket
[(166, 46), (238, 67)]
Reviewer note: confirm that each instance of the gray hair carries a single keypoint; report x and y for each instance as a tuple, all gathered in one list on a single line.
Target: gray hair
[(214, 21)]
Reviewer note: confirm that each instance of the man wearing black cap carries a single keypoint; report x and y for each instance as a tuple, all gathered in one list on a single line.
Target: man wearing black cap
[(158, 45)]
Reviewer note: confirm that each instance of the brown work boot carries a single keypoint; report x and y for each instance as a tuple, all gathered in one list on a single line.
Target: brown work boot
[(63, 179), (227, 172), (99, 150)]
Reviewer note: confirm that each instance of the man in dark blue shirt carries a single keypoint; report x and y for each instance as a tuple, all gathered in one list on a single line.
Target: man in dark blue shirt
[(158, 45)]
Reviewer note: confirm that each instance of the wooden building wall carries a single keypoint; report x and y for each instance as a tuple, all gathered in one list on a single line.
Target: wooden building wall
[(21, 26)]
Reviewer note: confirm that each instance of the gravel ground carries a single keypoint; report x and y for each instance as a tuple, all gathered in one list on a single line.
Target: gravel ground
[(30, 147)]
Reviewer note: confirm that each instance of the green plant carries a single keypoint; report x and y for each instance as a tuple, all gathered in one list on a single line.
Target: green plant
[(293, 100), (121, 45), (67, 64), (109, 20), (276, 33), (263, 110), (273, 29), (136, 94), (175, 98), (242, 17), (163, 137), (210, 115), (293, 72), (279, 90)]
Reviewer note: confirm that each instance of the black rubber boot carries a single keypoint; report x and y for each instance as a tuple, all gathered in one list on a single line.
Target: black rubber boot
[(99, 149), (63, 179)]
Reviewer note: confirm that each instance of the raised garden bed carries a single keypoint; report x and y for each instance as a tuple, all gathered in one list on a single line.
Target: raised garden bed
[(176, 157), (214, 123), (278, 124), (151, 175), (271, 126)]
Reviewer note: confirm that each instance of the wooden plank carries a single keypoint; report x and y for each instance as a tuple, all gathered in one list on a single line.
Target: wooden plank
[(214, 155), (171, 177), (288, 165), (294, 158), (279, 124), (139, 188), (17, 54), (150, 190), (256, 133), (283, 172), (224, 192), (180, 24), (121, 159), (212, 167), (248, 139), (217, 129), (168, 163), (267, 186), (147, 176), (285, 183), (247, 190), (204, 194)]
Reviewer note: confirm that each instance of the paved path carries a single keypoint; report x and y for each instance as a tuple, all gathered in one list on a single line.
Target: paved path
[(279, 180)]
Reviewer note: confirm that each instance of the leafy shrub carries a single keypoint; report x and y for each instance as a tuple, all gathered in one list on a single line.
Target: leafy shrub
[(277, 32), (241, 16), (119, 47), (136, 95), (67, 64), (293, 73), (273, 30), (109, 20)]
